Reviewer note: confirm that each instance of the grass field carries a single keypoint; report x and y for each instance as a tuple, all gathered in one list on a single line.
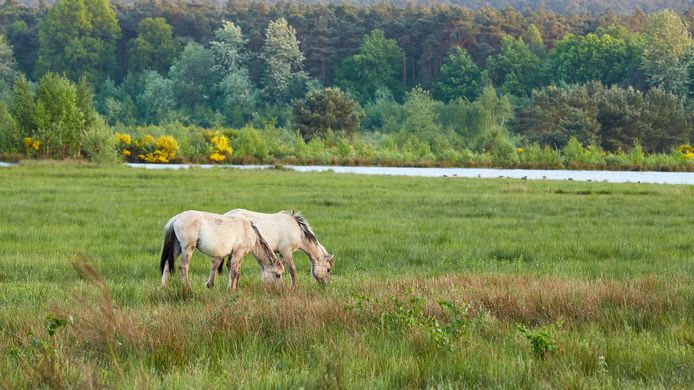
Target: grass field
[(438, 283)]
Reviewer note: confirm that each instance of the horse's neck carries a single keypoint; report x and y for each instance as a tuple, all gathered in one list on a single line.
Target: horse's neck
[(260, 256), (313, 250)]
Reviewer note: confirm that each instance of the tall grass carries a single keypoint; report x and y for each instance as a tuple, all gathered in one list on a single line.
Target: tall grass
[(432, 279)]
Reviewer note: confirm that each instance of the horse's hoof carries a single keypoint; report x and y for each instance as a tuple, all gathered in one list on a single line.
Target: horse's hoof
[(209, 285)]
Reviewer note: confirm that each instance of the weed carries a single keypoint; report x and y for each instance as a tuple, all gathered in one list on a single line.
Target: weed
[(540, 340)]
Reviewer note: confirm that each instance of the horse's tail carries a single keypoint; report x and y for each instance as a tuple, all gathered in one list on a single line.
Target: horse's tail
[(167, 249), (266, 247)]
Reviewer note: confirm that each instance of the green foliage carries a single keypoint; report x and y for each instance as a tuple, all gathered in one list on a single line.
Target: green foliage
[(10, 133), (78, 38), (157, 101), (23, 107), (555, 114), (533, 39), (97, 143), (283, 60), (516, 69), (191, 78), (579, 59), (459, 77), (376, 65), (248, 142), (8, 66), (323, 110), (154, 48), (408, 315), (383, 113), (540, 339), (58, 118), (667, 45)]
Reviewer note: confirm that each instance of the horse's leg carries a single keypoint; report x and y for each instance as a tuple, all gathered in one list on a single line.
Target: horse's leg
[(235, 269), (165, 275), (187, 254), (216, 261), (289, 262)]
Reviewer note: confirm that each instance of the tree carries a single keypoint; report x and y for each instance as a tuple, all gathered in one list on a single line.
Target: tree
[(23, 106), (59, 121), (377, 64), (8, 66), (516, 69), (283, 59), (154, 48), (237, 95), (459, 77), (554, 115), (157, 100), (579, 59), (10, 134), (323, 110), (193, 81), (667, 45), (228, 48), (533, 39), (78, 37), (420, 116)]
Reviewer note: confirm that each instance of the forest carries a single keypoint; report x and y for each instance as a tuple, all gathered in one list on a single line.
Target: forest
[(555, 86)]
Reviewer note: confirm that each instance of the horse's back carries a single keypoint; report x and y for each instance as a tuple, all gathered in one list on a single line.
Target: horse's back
[(280, 229), (213, 234)]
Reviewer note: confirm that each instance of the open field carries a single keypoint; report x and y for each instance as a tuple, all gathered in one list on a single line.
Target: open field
[(439, 282)]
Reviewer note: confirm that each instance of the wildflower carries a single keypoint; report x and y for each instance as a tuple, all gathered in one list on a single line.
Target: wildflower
[(219, 146), (126, 153), (216, 157), (123, 138), (520, 150)]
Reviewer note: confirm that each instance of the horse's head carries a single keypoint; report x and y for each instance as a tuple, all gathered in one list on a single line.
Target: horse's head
[(322, 269), (273, 275)]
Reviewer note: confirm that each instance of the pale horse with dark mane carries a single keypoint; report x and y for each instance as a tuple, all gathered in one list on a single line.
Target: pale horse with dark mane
[(217, 236), (287, 232)]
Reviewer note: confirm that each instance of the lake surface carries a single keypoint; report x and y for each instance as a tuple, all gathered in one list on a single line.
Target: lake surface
[(530, 174)]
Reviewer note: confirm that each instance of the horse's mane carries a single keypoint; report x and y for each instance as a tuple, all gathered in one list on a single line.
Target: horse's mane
[(264, 245), (305, 228)]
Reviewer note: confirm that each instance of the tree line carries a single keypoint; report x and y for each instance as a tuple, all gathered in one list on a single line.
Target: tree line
[(482, 79)]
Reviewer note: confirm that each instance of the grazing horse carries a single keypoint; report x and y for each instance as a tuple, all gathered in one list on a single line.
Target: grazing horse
[(217, 236), (288, 232)]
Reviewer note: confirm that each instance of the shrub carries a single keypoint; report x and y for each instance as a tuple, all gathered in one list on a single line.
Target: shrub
[(159, 150), (219, 149), (540, 339), (122, 144), (249, 143), (97, 143)]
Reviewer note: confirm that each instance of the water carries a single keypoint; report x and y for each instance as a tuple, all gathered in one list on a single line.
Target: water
[(530, 174)]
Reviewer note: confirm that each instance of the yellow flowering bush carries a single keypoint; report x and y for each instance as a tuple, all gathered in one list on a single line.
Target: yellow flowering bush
[(687, 150), (123, 142), (31, 146), (219, 146), (160, 150)]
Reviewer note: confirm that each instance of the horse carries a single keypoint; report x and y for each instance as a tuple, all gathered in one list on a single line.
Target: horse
[(287, 232), (217, 236)]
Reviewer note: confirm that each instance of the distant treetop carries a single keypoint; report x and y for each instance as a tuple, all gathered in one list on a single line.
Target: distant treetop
[(559, 6)]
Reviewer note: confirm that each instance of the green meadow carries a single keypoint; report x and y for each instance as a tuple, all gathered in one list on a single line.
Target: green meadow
[(438, 283)]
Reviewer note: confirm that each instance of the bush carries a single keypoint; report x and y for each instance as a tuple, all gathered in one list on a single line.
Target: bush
[(10, 133), (249, 144), (150, 150), (98, 143)]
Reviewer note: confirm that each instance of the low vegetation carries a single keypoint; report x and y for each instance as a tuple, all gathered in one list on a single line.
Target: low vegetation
[(438, 283)]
